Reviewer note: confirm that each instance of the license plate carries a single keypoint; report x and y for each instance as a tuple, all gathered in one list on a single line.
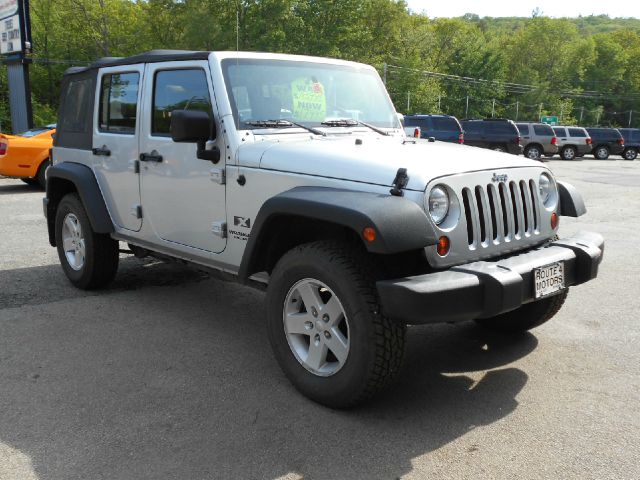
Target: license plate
[(549, 279)]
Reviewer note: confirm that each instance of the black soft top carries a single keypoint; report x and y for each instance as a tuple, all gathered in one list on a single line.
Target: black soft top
[(152, 56)]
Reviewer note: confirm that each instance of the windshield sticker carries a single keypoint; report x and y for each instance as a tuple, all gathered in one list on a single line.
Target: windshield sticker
[(309, 101)]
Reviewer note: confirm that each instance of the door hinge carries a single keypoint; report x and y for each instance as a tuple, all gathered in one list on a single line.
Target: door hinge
[(136, 211), (219, 229), (217, 175)]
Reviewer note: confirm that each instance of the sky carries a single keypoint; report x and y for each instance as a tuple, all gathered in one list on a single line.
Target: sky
[(524, 8)]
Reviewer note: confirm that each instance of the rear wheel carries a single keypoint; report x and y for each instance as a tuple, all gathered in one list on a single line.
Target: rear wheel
[(528, 316), (326, 327), (602, 152), (568, 153), (534, 152), (89, 259), (630, 153)]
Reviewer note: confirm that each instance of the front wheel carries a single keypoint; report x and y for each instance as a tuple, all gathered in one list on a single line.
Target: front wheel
[(326, 327), (89, 259), (601, 153), (630, 153), (528, 316)]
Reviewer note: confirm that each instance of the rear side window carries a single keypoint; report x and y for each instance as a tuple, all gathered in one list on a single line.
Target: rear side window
[(445, 123), (119, 103), (523, 127), (502, 128), (545, 130), (560, 132), (416, 122), (577, 132), (178, 90), (76, 117)]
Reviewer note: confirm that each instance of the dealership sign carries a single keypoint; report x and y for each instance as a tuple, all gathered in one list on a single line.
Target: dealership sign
[(14, 30)]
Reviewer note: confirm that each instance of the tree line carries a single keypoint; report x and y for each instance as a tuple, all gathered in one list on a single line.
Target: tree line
[(584, 69)]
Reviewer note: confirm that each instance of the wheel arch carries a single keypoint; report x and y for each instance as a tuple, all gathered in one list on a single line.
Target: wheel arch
[(70, 177), (305, 214)]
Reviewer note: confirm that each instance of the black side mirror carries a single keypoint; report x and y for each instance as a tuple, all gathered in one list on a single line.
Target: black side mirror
[(193, 126)]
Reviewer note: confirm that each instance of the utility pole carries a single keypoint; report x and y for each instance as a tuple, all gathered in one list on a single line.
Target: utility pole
[(561, 113), (466, 112), (493, 108), (15, 43), (598, 118), (540, 112), (581, 113), (517, 109), (439, 100), (384, 74), (630, 114), (408, 101)]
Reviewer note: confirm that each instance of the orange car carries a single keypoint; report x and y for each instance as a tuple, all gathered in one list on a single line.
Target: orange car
[(26, 155)]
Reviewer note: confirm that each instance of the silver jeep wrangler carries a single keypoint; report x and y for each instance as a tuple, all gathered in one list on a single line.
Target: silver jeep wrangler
[(293, 174)]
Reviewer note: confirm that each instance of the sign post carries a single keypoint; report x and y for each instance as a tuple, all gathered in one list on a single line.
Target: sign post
[(15, 43), (549, 120)]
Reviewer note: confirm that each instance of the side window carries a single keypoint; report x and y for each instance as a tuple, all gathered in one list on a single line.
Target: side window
[(119, 103), (577, 132), (178, 90), (560, 132), (543, 130), (76, 117), (524, 128)]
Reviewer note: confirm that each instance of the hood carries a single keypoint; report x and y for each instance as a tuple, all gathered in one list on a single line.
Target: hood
[(373, 159)]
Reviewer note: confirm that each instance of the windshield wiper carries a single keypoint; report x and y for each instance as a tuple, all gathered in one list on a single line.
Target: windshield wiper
[(282, 124), (350, 122)]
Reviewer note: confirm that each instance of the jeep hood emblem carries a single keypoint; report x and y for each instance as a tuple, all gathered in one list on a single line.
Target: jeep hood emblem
[(499, 178)]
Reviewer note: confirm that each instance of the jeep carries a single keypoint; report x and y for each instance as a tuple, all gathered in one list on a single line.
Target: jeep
[(293, 174)]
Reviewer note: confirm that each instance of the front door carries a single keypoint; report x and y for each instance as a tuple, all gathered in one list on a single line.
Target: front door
[(115, 142), (182, 196)]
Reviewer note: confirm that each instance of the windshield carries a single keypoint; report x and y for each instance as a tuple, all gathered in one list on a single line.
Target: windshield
[(34, 131), (306, 93)]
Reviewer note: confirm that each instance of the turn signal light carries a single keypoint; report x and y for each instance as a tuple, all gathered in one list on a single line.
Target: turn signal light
[(444, 244), (369, 234), (554, 140), (554, 220), (3, 148)]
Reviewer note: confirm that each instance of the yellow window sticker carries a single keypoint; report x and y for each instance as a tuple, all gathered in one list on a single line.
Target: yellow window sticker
[(309, 102)]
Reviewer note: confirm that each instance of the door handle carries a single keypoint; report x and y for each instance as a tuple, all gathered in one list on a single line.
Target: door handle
[(101, 151), (154, 156)]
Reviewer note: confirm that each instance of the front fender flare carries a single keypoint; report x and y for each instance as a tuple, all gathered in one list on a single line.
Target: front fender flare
[(401, 225), (571, 202)]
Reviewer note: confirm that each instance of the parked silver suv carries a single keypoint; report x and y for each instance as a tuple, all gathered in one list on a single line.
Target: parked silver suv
[(537, 139), (573, 142), (292, 174)]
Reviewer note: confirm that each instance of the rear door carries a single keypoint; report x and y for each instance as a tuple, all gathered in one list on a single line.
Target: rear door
[(115, 142), (182, 195)]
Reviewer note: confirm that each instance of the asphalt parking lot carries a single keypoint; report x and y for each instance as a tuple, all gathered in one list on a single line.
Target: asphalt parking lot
[(168, 374)]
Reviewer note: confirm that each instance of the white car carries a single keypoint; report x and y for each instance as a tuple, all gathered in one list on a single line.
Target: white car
[(294, 174)]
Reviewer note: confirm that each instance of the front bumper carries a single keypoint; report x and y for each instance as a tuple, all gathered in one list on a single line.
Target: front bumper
[(487, 288)]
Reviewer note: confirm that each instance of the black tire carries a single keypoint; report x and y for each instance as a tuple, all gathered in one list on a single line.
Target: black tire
[(101, 251), (376, 343), (41, 175), (534, 152), (601, 152), (528, 316), (32, 182), (630, 153), (569, 153)]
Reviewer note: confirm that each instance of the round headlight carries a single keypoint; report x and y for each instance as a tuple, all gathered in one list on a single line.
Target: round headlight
[(548, 193), (438, 203)]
